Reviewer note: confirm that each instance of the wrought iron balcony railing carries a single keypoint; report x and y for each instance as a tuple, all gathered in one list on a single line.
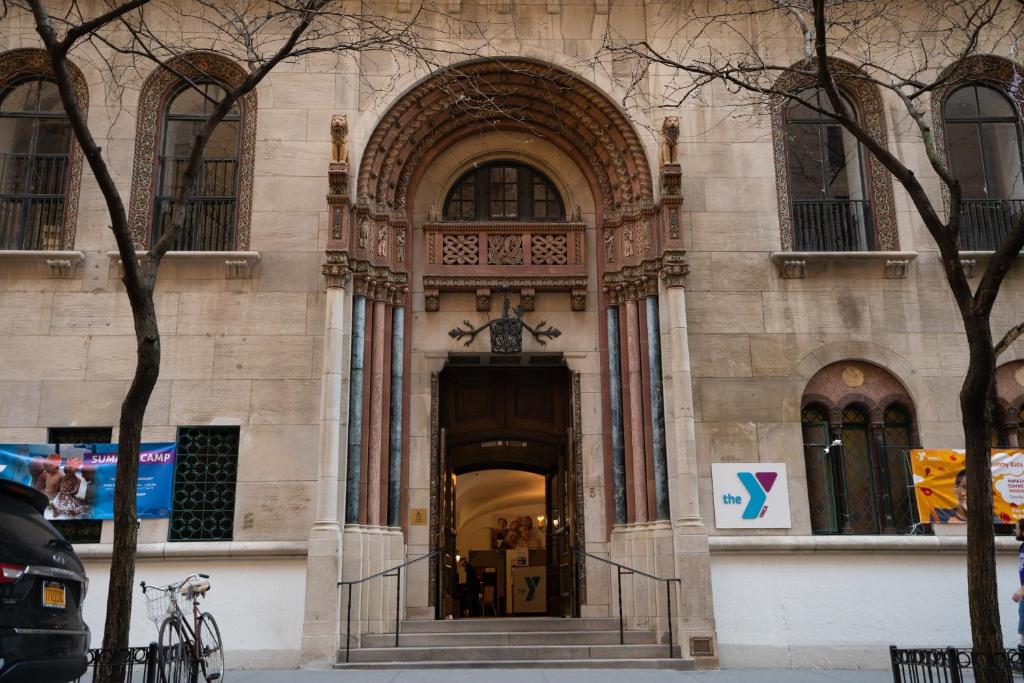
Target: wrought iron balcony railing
[(31, 222), (832, 225), (209, 224), (985, 223)]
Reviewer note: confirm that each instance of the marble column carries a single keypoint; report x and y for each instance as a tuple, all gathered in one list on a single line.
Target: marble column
[(355, 410), (397, 381), (376, 435), (690, 538), (321, 621), (615, 404), (636, 410), (661, 506)]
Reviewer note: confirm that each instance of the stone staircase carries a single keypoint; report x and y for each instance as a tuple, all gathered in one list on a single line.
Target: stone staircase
[(534, 642)]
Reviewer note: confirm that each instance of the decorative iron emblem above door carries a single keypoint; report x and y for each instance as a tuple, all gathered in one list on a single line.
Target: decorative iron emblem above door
[(507, 331)]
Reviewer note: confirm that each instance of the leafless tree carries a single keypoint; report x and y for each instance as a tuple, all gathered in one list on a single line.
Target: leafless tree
[(135, 37), (772, 54)]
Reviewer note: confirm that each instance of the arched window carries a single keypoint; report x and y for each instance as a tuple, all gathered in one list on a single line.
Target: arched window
[(171, 111), (830, 207), (858, 430), (210, 214), (983, 145), (1008, 418), (35, 164), (504, 191)]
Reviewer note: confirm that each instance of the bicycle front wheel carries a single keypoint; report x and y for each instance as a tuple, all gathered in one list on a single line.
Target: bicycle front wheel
[(174, 652), (211, 649)]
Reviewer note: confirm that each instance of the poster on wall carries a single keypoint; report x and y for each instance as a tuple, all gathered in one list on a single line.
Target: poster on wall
[(940, 485), (529, 590), (750, 495), (79, 478)]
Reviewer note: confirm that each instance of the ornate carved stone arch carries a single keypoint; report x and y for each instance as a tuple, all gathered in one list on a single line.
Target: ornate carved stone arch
[(839, 385), (871, 112), (1005, 75), (27, 63), (510, 94), (153, 97)]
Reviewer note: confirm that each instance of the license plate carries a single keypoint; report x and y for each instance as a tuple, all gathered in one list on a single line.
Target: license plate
[(53, 595)]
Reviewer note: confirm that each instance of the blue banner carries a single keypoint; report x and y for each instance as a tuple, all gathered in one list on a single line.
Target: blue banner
[(79, 478)]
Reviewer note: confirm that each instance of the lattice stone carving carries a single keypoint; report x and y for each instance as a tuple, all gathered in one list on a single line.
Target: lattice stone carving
[(460, 250), (505, 250), (549, 250)]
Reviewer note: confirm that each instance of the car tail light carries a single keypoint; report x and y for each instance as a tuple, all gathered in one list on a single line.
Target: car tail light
[(9, 573)]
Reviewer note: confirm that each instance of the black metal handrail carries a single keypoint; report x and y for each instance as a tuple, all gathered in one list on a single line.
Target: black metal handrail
[(623, 570), (985, 223), (832, 224), (396, 572)]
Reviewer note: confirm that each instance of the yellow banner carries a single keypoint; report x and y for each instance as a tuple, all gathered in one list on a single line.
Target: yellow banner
[(940, 485)]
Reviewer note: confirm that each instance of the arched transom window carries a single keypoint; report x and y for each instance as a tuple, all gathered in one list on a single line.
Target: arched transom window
[(983, 145), (210, 216), (504, 191), (35, 161), (830, 206), (858, 427)]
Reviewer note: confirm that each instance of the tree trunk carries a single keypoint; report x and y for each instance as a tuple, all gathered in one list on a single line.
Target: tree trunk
[(976, 408), (133, 409)]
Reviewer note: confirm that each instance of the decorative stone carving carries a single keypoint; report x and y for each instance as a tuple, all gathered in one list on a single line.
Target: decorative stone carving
[(526, 298), (505, 250), (506, 331), (400, 245), (577, 214), (896, 269), (364, 232), (627, 241), (578, 299), (483, 299), (674, 268), (339, 138), (460, 250), (432, 213), (794, 269), (669, 140), (336, 269), (63, 268), (431, 300), (609, 246), (673, 223), (382, 241), (549, 250)]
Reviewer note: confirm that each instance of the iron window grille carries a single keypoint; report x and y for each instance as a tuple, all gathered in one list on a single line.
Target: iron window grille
[(35, 157), (79, 530), (504, 191), (211, 212), (830, 206), (203, 502), (864, 485), (983, 144)]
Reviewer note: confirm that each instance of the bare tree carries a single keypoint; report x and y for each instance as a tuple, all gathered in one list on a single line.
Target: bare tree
[(774, 54), (146, 35)]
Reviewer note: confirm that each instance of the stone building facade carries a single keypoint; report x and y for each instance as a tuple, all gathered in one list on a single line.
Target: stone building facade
[(696, 327)]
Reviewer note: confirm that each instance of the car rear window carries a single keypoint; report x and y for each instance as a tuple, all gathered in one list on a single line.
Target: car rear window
[(19, 521)]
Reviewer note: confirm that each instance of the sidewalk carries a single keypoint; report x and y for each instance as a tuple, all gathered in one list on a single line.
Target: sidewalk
[(562, 676)]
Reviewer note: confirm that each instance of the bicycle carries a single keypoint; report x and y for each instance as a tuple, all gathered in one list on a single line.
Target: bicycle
[(185, 649)]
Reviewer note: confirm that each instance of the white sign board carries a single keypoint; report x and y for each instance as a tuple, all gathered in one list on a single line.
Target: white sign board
[(750, 495)]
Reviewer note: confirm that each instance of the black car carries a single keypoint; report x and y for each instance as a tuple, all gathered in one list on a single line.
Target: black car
[(43, 638)]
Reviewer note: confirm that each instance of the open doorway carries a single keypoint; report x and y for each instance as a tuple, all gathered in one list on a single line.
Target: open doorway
[(505, 494)]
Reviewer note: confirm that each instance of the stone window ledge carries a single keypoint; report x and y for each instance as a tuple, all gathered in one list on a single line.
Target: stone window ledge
[(795, 264), (852, 544), (238, 265), (60, 264), (969, 260), (182, 550)]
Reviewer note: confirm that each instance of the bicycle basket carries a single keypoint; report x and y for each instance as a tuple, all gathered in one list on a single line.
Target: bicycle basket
[(159, 604)]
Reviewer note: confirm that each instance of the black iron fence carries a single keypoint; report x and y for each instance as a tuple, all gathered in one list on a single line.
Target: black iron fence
[(954, 665), (209, 224), (131, 664), (832, 225), (984, 223)]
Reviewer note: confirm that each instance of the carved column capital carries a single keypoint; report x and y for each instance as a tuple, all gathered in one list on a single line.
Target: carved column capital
[(674, 268), (336, 270)]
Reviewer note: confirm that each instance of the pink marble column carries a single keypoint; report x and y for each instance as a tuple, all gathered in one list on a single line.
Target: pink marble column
[(373, 469), (636, 409)]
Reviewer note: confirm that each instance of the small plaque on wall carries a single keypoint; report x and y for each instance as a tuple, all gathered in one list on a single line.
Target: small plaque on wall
[(418, 516), (750, 495)]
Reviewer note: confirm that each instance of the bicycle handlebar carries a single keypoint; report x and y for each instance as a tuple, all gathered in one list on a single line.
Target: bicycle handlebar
[(175, 585)]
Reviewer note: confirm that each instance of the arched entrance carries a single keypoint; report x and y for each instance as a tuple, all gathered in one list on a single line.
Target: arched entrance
[(506, 420)]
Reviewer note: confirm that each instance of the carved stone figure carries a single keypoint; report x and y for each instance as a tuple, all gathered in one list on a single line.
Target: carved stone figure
[(609, 246), (400, 245), (432, 213), (669, 140), (577, 215), (364, 232), (627, 241), (339, 138), (382, 241)]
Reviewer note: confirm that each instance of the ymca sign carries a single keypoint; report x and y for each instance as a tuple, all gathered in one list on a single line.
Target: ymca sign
[(750, 495)]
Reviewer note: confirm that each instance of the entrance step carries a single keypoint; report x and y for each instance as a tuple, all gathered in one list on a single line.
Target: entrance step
[(541, 642)]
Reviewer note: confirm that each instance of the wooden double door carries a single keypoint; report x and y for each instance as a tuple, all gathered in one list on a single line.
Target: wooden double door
[(509, 418)]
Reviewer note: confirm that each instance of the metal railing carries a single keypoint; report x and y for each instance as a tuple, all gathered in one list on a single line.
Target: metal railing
[(396, 572), (985, 223), (954, 665), (133, 664), (31, 222), (209, 224), (622, 570), (831, 224)]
